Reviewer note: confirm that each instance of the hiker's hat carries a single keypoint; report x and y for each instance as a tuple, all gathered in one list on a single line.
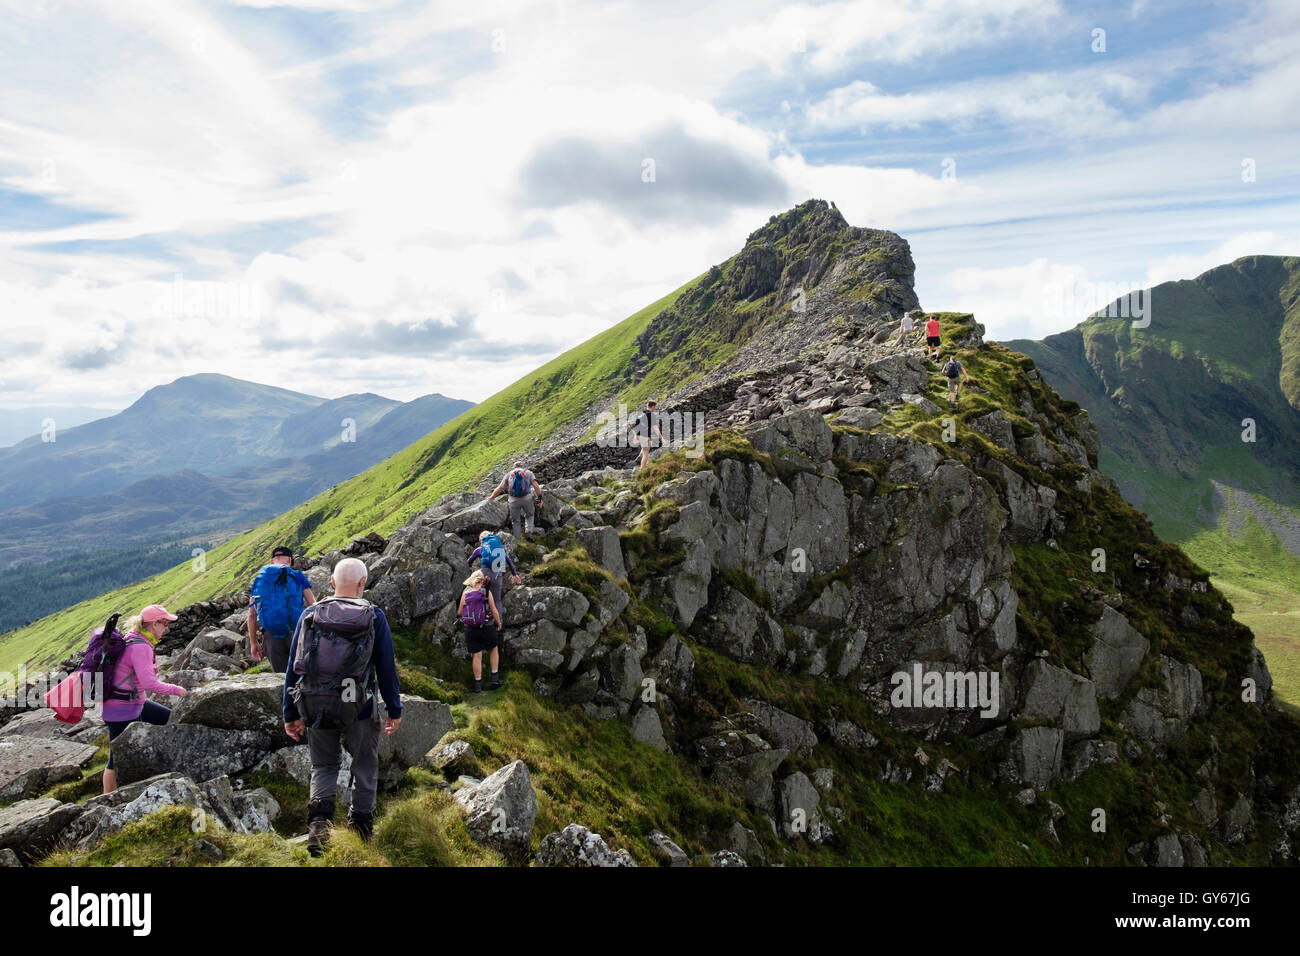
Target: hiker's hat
[(156, 612), (282, 551)]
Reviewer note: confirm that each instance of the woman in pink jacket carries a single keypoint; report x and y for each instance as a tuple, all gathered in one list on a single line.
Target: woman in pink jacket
[(136, 671)]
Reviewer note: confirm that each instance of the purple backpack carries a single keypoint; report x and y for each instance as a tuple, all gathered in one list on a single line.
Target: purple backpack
[(107, 645), (333, 661), (475, 612)]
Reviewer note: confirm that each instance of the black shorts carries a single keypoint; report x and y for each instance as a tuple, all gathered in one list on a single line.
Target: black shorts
[(932, 340), (481, 637)]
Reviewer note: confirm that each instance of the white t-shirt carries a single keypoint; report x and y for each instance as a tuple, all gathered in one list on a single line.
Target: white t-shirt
[(907, 323)]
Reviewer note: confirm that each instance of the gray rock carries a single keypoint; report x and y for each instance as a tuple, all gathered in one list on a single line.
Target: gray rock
[(798, 802), (1161, 715), (167, 790), (257, 809), (29, 827), (864, 418), (647, 728), (502, 809), (849, 735), (996, 427), (1059, 694), (1088, 754), (667, 850), (744, 842), (575, 845), (559, 605), (742, 630), (1116, 653), (788, 731), (481, 516), (727, 858), (9, 858), (1238, 823), (605, 549), (620, 673), (295, 762), (1168, 851), (674, 668), (1036, 752), (253, 702), (42, 723), (750, 776), (424, 724), (454, 759), (197, 751), (30, 765)]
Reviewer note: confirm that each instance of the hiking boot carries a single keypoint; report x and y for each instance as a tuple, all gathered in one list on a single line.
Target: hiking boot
[(496, 681), (363, 823), (478, 687), (320, 819)]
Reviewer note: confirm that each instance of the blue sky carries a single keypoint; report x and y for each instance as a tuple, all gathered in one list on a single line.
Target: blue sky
[(201, 186)]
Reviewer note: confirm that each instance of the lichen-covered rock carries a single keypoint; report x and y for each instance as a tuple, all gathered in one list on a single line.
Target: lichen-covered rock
[(252, 702), (1116, 653), (575, 845)]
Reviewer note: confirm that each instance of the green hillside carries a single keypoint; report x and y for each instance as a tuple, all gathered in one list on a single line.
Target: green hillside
[(456, 455), (1170, 401)]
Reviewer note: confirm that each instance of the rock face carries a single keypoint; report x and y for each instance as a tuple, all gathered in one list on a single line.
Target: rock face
[(29, 827), (502, 809), (575, 845)]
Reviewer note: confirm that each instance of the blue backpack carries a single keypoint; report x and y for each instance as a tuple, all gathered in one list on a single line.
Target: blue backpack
[(492, 554), (519, 484), (278, 599)]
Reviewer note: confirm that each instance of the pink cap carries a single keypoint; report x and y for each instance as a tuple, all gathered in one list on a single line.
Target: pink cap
[(156, 612)]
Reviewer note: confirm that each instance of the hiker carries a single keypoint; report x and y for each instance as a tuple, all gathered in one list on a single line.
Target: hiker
[(134, 673), (278, 595), (341, 649), (932, 338), (644, 430), (956, 374), (907, 327), (525, 493), (493, 560), (477, 609)]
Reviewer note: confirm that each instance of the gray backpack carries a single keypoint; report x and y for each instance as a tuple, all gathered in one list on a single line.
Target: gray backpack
[(334, 662)]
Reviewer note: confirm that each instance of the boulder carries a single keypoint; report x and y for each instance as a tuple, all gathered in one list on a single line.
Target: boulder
[(1116, 653), (727, 858), (257, 810), (295, 763), (575, 845), (605, 549), (791, 732), (43, 723), (29, 827), (195, 750), (647, 727), (424, 724), (502, 809), (252, 702), (1036, 752), (481, 516), (742, 630), (744, 842), (560, 605), (797, 803), (1160, 715), (667, 850), (673, 668), (30, 765), (454, 759), (1059, 694)]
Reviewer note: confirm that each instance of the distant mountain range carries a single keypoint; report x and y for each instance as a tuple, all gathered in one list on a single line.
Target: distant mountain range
[(19, 423), (1199, 416), (199, 458)]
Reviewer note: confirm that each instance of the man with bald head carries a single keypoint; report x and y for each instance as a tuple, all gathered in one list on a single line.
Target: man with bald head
[(340, 654)]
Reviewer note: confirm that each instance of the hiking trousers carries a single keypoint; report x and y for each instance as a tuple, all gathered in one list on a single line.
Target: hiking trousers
[(522, 508), (277, 651), (496, 584), (362, 741)]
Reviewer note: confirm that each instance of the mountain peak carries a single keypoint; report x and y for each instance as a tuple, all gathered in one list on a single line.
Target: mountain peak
[(805, 222)]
